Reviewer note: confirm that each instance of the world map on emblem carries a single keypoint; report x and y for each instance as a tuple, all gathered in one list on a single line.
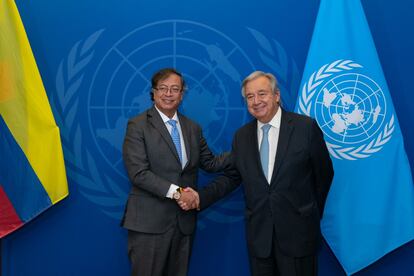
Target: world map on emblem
[(350, 108)]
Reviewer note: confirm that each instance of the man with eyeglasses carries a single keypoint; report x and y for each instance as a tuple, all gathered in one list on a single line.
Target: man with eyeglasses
[(162, 152), (286, 172)]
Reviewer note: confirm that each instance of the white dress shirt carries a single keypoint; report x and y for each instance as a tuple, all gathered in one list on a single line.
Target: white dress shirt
[(273, 140)]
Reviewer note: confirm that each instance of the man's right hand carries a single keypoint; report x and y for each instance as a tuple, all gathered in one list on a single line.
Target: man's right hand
[(189, 199)]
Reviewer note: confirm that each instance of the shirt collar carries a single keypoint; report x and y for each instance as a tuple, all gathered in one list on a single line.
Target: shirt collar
[(164, 117), (275, 122)]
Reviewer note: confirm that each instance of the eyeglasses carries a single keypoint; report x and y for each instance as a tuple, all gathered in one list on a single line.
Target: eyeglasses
[(165, 89)]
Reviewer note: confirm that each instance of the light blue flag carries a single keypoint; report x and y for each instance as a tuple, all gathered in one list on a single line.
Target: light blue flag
[(370, 207)]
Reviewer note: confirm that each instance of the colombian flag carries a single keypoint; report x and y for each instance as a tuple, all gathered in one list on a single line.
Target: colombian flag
[(32, 171)]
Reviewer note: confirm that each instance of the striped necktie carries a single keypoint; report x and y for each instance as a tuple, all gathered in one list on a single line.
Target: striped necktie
[(175, 135)]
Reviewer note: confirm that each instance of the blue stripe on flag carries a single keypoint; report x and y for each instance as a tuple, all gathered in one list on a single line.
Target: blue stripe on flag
[(19, 181)]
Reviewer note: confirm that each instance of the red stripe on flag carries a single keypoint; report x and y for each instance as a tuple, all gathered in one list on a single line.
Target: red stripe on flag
[(9, 220)]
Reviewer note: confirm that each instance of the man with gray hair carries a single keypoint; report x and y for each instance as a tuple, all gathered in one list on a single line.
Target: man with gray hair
[(284, 166)]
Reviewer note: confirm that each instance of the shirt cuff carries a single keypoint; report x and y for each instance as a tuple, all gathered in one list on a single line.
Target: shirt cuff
[(171, 190)]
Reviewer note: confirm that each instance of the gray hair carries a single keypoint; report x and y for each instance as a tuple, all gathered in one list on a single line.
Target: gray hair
[(258, 74)]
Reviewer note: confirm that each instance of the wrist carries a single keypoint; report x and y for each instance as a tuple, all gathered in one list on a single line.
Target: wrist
[(177, 193)]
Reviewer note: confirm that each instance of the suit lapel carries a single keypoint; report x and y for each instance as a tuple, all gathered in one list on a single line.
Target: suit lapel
[(155, 119), (284, 137), (252, 146)]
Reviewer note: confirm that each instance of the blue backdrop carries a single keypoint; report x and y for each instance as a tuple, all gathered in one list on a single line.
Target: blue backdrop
[(96, 58)]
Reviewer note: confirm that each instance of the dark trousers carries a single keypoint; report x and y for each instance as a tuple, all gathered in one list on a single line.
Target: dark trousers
[(165, 254), (278, 264)]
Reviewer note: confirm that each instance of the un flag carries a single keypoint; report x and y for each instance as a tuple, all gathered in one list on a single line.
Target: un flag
[(370, 207)]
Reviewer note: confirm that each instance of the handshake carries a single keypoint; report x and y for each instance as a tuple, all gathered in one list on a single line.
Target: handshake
[(189, 199)]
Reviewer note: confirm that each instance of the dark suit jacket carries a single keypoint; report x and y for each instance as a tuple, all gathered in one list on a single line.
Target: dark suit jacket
[(293, 202), (152, 163)]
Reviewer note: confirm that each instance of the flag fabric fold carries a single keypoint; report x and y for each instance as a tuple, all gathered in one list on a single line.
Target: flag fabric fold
[(32, 171), (370, 207)]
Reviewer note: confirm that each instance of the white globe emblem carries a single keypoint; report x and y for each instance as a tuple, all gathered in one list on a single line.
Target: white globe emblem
[(350, 108)]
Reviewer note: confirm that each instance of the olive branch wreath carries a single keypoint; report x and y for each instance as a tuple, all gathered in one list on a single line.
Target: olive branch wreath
[(94, 184), (97, 186)]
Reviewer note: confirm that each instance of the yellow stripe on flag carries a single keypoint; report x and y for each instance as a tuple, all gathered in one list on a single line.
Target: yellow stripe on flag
[(5, 81), (24, 105)]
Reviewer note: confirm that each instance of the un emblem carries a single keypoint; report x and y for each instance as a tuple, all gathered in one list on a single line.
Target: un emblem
[(93, 120), (350, 108)]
